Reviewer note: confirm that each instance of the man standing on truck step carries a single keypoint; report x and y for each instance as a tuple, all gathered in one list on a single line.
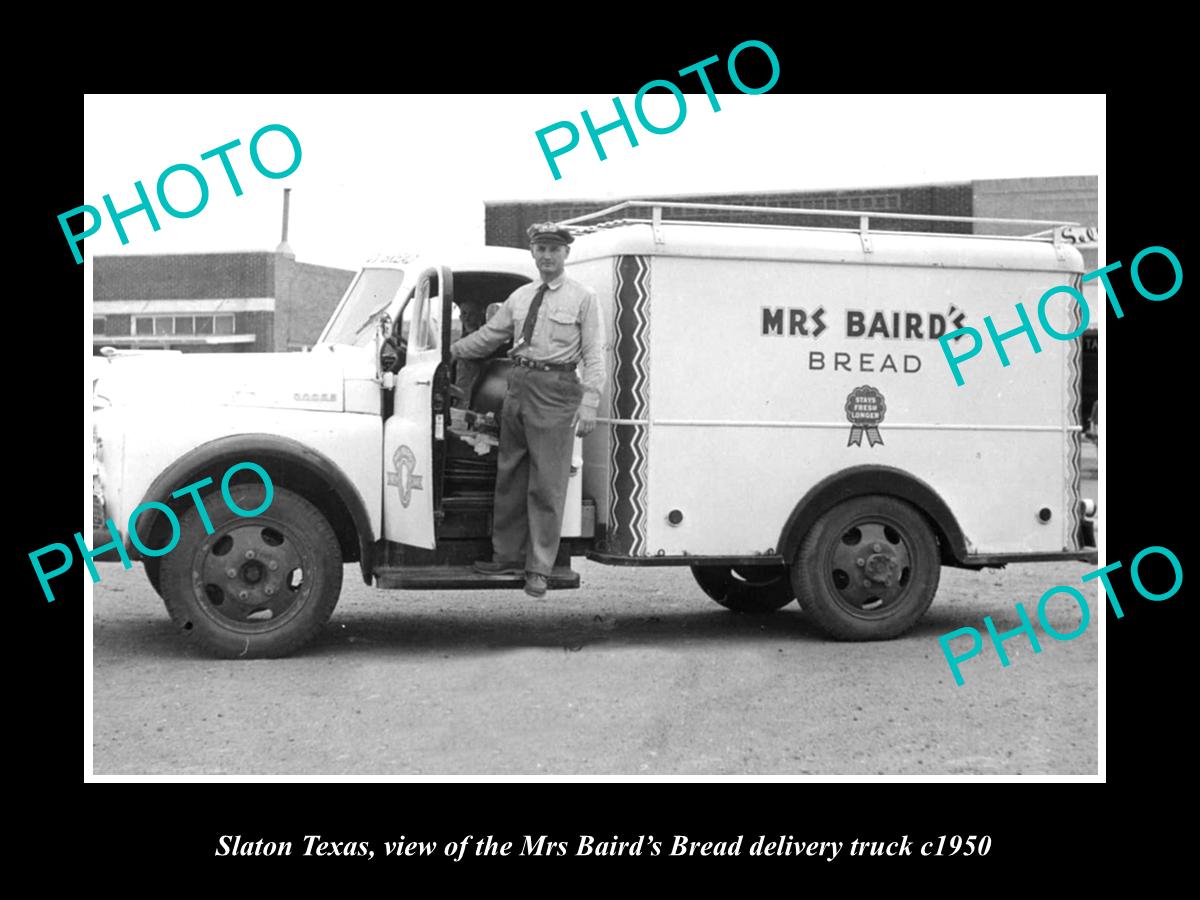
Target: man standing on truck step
[(554, 324)]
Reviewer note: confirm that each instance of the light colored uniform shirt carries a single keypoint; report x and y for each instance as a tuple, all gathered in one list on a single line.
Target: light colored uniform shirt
[(568, 329)]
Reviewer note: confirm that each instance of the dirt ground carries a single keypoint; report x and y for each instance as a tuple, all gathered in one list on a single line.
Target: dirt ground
[(637, 673)]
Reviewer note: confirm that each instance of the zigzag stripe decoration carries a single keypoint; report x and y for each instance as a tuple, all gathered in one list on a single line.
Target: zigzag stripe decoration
[(1075, 447), (629, 444)]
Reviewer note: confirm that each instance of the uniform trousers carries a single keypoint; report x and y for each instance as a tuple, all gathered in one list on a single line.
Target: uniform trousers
[(537, 435)]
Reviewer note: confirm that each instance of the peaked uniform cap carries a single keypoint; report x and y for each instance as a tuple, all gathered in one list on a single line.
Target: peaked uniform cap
[(548, 232)]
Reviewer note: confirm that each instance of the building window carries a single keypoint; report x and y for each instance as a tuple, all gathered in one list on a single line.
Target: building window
[(865, 202), (98, 325), (222, 323)]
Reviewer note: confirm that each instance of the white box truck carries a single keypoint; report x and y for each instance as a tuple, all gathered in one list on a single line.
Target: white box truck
[(779, 417)]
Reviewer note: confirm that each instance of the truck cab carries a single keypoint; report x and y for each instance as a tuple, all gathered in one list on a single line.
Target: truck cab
[(373, 433)]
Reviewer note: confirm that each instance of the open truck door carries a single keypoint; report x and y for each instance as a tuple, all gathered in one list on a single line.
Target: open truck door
[(411, 478)]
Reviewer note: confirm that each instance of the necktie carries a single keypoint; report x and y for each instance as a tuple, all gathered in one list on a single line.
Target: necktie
[(531, 316)]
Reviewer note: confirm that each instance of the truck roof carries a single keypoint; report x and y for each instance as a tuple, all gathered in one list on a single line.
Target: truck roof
[(714, 240), (460, 258), (1047, 248)]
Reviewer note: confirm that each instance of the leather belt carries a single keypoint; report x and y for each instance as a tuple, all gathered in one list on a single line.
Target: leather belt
[(525, 363)]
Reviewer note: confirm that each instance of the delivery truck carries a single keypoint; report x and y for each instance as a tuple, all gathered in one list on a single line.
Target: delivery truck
[(778, 416)]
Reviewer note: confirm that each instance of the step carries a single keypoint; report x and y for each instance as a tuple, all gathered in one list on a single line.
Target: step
[(477, 501), (463, 578)]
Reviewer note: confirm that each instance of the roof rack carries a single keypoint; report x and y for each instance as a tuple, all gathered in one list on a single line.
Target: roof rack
[(1051, 230)]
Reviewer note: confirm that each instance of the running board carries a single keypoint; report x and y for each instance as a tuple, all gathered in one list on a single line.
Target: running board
[(463, 578)]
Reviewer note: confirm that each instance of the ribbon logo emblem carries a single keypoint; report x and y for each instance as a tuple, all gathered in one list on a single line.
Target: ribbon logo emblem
[(403, 478), (865, 408)]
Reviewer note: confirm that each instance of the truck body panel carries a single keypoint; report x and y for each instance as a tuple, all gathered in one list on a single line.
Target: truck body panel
[(734, 359)]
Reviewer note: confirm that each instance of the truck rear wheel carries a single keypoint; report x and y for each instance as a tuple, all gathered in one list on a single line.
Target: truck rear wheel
[(746, 589), (258, 586), (868, 569)]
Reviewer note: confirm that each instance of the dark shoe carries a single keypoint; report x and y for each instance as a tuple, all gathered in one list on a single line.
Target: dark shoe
[(488, 567), (535, 585)]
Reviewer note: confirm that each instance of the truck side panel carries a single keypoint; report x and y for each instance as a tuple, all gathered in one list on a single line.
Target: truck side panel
[(743, 372)]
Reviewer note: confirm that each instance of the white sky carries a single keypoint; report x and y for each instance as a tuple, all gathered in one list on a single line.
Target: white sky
[(391, 173)]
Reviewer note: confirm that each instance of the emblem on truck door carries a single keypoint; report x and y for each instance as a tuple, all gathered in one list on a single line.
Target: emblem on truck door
[(405, 461), (865, 408)]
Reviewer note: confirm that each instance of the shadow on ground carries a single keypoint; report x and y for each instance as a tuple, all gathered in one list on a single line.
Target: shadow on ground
[(508, 626)]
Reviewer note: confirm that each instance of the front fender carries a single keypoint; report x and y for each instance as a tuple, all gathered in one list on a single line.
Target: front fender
[(289, 463), (336, 456)]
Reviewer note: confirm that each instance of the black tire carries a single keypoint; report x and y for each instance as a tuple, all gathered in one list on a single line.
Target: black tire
[(287, 574), (746, 589), (868, 569), (1087, 533), (153, 567)]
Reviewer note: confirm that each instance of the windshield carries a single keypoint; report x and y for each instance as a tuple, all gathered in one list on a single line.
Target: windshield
[(372, 293)]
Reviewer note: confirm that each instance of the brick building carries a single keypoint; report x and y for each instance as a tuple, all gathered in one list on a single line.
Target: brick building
[(505, 221), (1070, 198), (212, 302), (1073, 198)]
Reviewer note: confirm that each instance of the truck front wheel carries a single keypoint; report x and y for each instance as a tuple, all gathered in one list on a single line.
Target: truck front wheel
[(153, 567), (746, 589), (258, 586), (868, 569)]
